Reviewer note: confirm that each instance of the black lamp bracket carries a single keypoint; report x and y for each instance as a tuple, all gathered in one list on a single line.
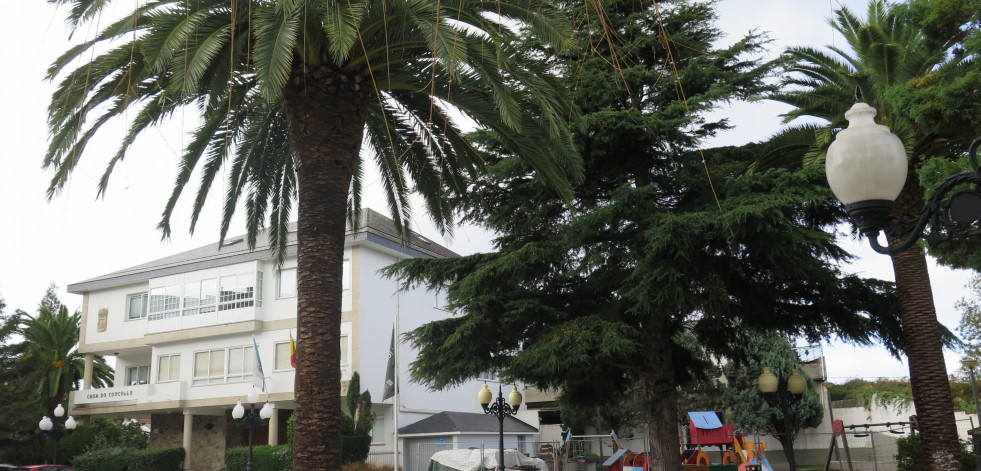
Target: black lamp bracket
[(952, 212)]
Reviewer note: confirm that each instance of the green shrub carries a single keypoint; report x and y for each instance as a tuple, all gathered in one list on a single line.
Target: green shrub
[(161, 459), (289, 431), (347, 424), (910, 457), (106, 459), (128, 459), (355, 448), (266, 458)]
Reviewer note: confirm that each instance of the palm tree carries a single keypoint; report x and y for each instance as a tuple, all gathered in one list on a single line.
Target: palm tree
[(288, 92), (884, 50), (50, 348)]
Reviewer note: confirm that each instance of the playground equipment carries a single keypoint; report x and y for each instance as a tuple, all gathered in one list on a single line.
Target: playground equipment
[(707, 429)]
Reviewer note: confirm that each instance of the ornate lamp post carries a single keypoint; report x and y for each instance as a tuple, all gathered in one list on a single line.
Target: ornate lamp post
[(252, 420), (500, 409), (866, 168), (53, 429), (784, 393)]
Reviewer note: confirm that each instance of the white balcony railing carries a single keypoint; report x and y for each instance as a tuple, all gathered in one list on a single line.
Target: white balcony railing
[(203, 320)]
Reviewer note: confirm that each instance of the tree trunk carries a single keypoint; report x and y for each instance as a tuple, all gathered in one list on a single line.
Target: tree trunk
[(326, 113), (662, 408), (924, 348)]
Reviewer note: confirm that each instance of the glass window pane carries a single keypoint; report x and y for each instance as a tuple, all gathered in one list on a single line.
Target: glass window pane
[(137, 306), (192, 293), (344, 348), (201, 362), (378, 431), (346, 275), (217, 362), (287, 283), (163, 368), (283, 356), (175, 367), (209, 291), (144, 372), (236, 357)]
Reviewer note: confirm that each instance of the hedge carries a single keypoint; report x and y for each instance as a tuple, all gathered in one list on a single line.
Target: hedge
[(128, 459), (266, 458)]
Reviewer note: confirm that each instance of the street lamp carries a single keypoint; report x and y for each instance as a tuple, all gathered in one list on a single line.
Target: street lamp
[(784, 393), (866, 168), (53, 429), (500, 409), (253, 420), (971, 365)]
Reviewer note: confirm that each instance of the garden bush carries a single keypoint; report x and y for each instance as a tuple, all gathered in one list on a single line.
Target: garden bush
[(910, 457), (265, 458), (354, 448), (128, 459)]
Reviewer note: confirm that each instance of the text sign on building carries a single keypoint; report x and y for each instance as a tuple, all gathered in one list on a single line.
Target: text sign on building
[(95, 396)]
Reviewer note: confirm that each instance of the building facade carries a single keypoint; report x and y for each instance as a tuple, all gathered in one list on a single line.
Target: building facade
[(181, 331)]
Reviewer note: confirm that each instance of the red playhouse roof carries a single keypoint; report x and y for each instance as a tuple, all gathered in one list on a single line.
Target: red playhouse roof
[(707, 429)]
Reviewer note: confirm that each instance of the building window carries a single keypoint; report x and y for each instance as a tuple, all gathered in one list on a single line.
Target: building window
[(240, 363), (200, 297), (283, 356), (287, 283), (168, 368), (345, 347), (136, 306), (346, 274), (165, 302), (210, 366), (489, 375), (137, 375), (378, 431), (440, 300), (237, 291)]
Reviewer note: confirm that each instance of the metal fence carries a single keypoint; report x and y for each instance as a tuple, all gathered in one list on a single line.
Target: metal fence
[(866, 451)]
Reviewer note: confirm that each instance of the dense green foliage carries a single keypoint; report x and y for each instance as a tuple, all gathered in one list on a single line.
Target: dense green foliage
[(39, 365), (664, 250), (265, 458), (99, 434), (750, 409), (127, 459), (890, 393), (359, 406), (910, 456), (286, 95)]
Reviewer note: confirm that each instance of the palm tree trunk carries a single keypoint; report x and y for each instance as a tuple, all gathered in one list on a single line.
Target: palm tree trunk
[(662, 408), (326, 112), (923, 345)]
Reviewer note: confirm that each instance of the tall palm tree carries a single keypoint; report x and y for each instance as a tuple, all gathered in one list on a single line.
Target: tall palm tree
[(288, 92), (884, 50), (50, 348)]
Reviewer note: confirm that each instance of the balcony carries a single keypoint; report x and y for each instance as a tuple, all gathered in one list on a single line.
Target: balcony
[(206, 319)]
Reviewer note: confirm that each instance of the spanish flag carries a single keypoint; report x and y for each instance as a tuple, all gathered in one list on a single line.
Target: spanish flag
[(292, 351)]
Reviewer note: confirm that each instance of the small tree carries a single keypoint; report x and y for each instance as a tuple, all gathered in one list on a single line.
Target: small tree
[(750, 409), (359, 406)]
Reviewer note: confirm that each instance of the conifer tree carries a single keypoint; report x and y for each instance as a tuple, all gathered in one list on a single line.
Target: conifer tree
[(664, 251)]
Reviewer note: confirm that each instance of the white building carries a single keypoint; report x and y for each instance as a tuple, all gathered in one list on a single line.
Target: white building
[(181, 329)]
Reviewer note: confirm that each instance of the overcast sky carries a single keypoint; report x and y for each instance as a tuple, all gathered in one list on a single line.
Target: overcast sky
[(74, 237)]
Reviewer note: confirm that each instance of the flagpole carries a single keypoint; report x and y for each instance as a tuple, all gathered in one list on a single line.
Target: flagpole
[(395, 401)]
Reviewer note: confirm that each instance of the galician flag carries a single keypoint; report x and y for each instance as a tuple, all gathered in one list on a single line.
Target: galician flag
[(292, 351), (259, 378)]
